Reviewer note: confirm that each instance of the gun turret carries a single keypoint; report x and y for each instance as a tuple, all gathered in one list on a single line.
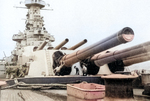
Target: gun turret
[(78, 45), (119, 65), (118, 59), (61, 44), (119, 55), (66, 61)]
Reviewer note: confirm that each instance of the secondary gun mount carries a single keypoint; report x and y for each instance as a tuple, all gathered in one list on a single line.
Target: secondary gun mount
[(66, 61)]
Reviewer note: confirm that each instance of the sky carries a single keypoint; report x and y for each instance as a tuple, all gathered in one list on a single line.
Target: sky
[(77, 20)]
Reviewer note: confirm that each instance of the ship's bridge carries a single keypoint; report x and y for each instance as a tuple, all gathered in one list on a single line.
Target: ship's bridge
[(40, 3)]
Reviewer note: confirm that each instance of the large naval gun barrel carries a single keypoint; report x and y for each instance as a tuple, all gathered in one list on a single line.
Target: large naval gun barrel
[(77, 45), (123, 36), (136, 59), (121, 54), (42, 45), (61, 44), (118, 59)]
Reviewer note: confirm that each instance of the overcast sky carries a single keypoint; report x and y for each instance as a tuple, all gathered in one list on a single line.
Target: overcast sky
[(79, 19)]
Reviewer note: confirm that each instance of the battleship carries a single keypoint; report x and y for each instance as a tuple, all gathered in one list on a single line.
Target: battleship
[(36, 64)]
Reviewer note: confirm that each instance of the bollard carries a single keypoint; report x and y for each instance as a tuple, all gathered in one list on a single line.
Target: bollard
[(118, 87)]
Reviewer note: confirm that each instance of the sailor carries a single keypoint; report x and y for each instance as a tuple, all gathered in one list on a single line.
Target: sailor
[(77, 70), (84, 70)]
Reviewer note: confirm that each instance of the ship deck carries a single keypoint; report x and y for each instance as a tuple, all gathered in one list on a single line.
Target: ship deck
[(22, 95), (51, 95), (138, 95)]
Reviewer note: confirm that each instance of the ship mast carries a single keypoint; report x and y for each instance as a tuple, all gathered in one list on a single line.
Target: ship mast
[(35, 32)]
